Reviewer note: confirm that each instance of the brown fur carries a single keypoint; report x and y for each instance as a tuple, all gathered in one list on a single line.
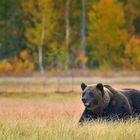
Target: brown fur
[(105, 101)]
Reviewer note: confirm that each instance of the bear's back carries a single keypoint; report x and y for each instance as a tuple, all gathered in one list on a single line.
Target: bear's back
[(133, 97)]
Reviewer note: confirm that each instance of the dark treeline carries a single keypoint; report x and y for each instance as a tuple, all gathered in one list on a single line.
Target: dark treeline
[(46, 34)]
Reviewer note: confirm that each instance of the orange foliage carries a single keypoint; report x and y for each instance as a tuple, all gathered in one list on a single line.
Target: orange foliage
[(5, 67), (17, 66), (132, 52), (24, 54)]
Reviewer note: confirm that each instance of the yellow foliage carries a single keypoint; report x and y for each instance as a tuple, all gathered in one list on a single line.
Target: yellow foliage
[(15, 60), (28, 66), (132, 51), (81, 57), (23, 68), (18, 69), (5, 67), (107, 34)]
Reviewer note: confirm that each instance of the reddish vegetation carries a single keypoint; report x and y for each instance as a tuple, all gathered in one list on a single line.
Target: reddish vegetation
[(39, 109)]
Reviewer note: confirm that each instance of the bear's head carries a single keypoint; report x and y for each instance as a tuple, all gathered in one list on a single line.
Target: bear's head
[(95, 97)]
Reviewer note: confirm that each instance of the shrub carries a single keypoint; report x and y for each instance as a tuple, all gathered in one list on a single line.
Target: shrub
[(17, 66), (132, 52), (5, 67)]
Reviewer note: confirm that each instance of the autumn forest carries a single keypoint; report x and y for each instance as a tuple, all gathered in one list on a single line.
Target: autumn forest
[(40, 35)]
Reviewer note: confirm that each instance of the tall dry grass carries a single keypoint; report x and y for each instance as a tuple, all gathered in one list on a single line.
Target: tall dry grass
[(55, 117), (67, 129), (40, 107)]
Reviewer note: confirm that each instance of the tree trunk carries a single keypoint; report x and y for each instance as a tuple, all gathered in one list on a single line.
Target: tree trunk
[(67, 18), (67, 31), (40, 51), (40, 55), (83, 31)]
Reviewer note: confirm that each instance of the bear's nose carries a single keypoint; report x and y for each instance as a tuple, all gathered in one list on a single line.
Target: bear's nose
[(87, 104), (84, 100)]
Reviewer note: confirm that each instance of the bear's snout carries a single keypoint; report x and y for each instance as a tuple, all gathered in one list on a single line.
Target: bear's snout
[(87, 104)]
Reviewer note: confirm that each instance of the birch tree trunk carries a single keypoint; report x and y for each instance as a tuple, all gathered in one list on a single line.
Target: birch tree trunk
[(40, 56), (83, 30), (68, 36), (40, 49), (67, 31)]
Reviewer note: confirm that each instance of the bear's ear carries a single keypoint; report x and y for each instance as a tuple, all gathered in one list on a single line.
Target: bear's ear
[(83, 86), (101, 88)]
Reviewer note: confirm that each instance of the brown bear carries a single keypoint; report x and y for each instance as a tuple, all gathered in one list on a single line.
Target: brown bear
[(103, 101)]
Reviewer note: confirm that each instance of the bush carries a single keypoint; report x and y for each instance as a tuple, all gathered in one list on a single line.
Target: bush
[(5, 67), (17, 66), (132, 52)]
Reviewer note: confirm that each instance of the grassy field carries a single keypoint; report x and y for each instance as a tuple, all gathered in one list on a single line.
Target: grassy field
[(66, 129), (51, 116)]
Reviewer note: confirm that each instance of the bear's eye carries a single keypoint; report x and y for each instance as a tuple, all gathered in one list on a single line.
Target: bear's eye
[(91, 94)]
